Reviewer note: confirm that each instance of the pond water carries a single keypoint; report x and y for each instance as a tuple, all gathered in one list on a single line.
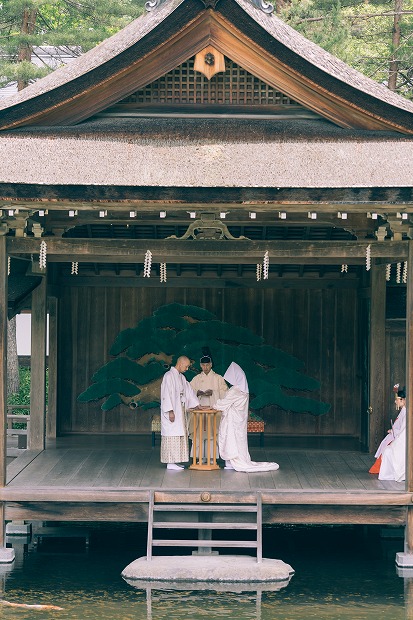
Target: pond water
[(340, 573)]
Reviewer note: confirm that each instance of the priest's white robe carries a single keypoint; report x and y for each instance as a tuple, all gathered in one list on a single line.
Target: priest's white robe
[(397, 428), (177, 396), (204, 382), (211, 381), (232, 437)]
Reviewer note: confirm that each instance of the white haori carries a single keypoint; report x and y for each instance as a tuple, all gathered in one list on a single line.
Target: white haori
[(211, 381), (232, 439), (204, 382)]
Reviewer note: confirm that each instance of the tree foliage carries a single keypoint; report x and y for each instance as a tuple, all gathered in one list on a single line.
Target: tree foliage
[(76, 25), (361, 33), (144, 353)]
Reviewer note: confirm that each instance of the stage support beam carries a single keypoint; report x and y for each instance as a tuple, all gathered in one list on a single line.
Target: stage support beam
[(51, 418), (36, 439), (377, 354), (405, 559)]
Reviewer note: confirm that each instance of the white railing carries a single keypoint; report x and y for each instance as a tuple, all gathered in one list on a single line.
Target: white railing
[(22, 432)]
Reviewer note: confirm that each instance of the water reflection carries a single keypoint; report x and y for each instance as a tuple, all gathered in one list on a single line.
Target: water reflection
[(193, 598), (340, 574)]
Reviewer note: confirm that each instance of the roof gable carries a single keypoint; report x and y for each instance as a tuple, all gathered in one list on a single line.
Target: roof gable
[(174, 32)]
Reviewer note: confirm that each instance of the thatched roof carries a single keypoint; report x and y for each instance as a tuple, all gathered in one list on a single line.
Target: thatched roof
[(160, 40), (206, 153)]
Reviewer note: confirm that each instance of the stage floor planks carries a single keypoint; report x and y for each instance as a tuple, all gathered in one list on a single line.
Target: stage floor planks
[(127, 462)]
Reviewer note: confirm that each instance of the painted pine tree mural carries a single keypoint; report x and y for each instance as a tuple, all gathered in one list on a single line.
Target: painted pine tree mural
[(142, 354)]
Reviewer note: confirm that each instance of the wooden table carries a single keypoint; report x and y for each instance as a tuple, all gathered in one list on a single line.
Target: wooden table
[(204, 419)]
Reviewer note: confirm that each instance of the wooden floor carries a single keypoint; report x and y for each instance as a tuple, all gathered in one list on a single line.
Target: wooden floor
[(86, 478), (127, 462)]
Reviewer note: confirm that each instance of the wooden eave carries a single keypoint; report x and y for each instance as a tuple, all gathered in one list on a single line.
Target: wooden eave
[(41, 196), (187, 30), (207, 251)]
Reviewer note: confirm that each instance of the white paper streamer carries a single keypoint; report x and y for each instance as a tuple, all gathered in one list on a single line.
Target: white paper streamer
[(75, 269), (42, 255), (398, 272), (259, 272), (368, 257), (147, 264), (388, 272), (163, 272), (266, 265)]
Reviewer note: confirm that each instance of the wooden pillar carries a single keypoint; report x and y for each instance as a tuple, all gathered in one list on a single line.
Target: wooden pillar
[(3, 361), (408, 536), (6, 555), (409, 394), (36, 439), (51, 418), (377, 355), (409, 370)]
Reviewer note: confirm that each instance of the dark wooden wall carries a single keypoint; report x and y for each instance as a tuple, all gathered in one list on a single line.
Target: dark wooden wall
[(319, 326), (395, 365)]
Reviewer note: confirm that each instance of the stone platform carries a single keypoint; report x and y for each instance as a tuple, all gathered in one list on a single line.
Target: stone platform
[(220, 569)]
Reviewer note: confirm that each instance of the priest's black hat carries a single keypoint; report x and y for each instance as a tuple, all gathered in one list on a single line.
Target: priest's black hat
[(206, 356)]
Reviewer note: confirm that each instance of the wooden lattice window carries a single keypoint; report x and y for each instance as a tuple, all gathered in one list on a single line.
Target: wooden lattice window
[(183, 85)]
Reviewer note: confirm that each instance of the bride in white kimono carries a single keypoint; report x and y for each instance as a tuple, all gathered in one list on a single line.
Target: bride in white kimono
[(393, 457), (232, 439)]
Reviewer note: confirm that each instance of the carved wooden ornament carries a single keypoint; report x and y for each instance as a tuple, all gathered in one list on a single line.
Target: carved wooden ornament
[(209, 62)]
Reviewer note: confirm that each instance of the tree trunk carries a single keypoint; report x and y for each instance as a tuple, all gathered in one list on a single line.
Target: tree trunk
[(25, 50), (13, 378), (394, 63)]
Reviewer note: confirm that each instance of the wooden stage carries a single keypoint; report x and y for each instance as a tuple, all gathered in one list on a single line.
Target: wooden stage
[(109, 478)]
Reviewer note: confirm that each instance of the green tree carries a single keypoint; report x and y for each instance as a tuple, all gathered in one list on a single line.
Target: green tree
[(375, 37), (78, 25), (144, 353)]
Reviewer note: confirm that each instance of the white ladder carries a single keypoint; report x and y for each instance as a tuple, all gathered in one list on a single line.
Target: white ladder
[(205, 524)]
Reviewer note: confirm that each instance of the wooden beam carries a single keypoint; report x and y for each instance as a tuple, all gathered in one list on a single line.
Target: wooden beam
[(66, 511), (3, 380), (377, 387), (37, 435), (118, 210), (37, 196), (274, 281), (139, 495), (208, 251), (51, 417), (273, 71), (409, 376), (336, 515), (138, 513), (3, 361)]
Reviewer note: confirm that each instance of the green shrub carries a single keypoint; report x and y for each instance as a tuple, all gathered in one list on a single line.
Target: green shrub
[(22, 397)]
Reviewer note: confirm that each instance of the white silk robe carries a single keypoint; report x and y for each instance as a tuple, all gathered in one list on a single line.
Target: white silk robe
[(232, 438), (397, 428), (393, 458)]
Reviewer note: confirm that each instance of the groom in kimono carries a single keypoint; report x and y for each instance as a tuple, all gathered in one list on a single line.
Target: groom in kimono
[(176, 397)]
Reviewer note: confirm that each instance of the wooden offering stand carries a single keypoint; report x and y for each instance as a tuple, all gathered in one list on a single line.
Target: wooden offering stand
[(204, 419)]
